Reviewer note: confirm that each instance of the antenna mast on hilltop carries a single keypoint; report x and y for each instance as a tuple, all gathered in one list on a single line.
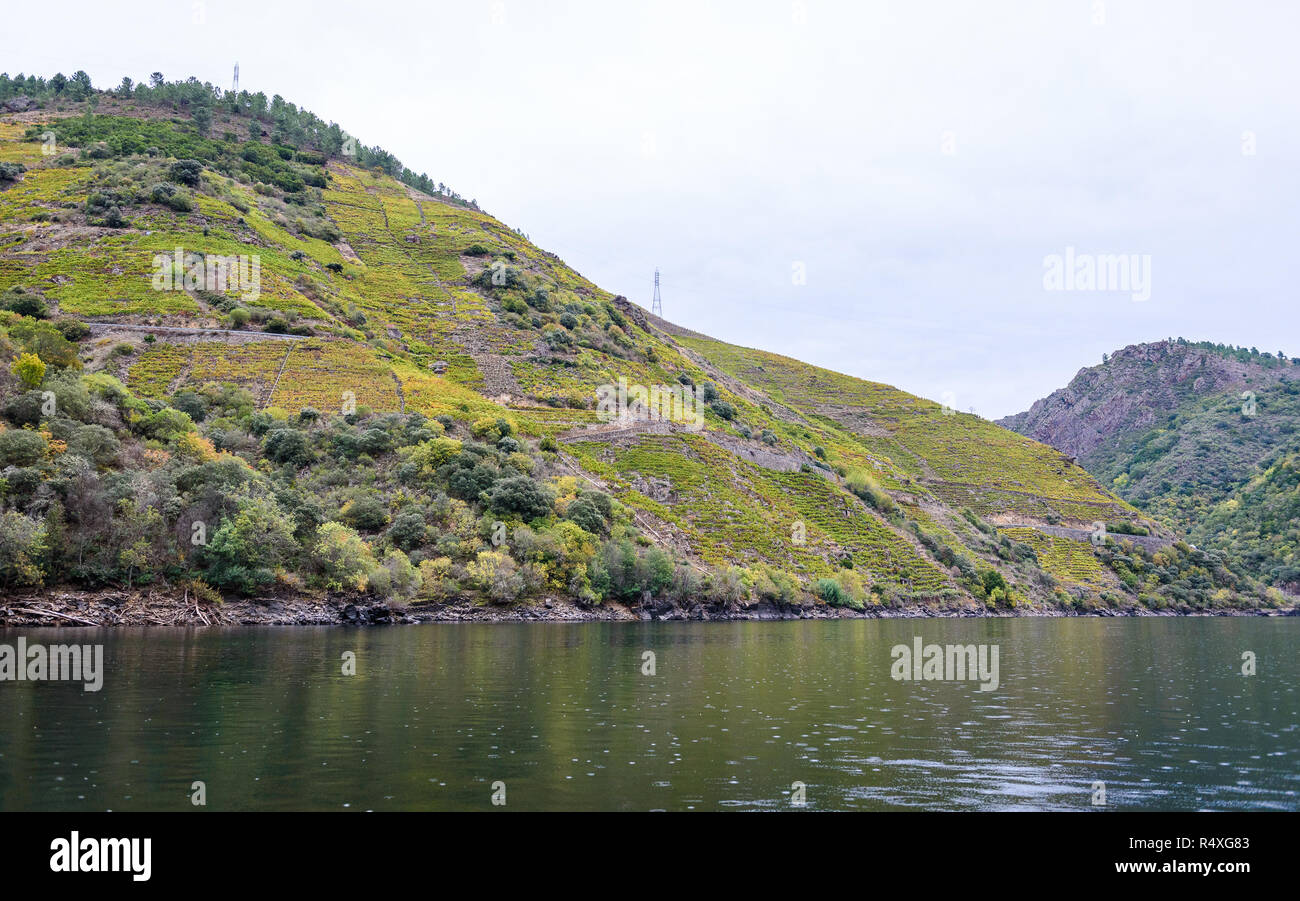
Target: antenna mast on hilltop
[(234, 88), (657, 305)]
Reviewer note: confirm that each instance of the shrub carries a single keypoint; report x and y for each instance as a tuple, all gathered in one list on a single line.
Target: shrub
[(30, 370), (114, 218), (24, 303), (435, 581), (26, 408), (344, 560), (47, 342), (250, 546), (865, 487), (486, 429), (723, 409), (395, 579), (22, 547), (166, 425), (991, 580), (496, 575), (21, 447), (284, 445), (366, 513), (587, 513), (72, 329), (430, 455), (188, 402), (187, 172), (96, 444), (836, 595), (408, 531), (520, 495)]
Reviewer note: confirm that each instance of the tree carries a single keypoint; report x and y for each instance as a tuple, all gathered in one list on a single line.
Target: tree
[(366, 513), (137, 531), (166, 425), (22, 546), (80, 87), (496, 574), (187, 172), (342, 557), (156, 80), (96, 444), (251, 545), (202, 117)]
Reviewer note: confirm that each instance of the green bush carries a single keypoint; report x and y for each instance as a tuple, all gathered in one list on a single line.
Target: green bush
[(588, 512), (22, 549), (21, 447), (521, 496), (284, 445), (365, 513), (24, 303), (187, 172)]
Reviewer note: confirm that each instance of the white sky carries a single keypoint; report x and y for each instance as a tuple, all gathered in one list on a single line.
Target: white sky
[(726, 142)]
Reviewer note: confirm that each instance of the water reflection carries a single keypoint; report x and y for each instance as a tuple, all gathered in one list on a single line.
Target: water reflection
[(735, 714)]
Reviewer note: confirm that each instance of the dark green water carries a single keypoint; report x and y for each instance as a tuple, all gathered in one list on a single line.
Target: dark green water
[(1157, 709)]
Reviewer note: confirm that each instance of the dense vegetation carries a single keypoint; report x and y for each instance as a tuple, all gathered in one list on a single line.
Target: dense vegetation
[(283, 122), (1219, 474), (102, 487), (410, 410)]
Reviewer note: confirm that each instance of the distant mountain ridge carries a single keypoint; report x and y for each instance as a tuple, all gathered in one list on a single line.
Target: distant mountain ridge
[(1136, 389), (1201, 436)]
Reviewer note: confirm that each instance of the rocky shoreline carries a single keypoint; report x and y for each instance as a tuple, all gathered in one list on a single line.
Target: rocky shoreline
[(155, 608)]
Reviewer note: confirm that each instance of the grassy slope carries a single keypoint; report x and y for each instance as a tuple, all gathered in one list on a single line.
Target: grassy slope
[(407, 296)]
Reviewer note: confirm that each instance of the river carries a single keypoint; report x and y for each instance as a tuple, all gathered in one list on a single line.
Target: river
[(1138, 713)]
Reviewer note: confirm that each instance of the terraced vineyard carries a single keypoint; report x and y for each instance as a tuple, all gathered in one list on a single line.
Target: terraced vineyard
[(416, 303), (799, 520), (958, 458), (1073, 562)]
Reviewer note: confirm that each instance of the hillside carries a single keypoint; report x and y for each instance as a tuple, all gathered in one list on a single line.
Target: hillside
[(393, 396), (1200, 436)]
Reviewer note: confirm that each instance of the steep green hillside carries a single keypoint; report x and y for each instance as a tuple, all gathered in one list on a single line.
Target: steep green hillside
[(1201, 437), (394, 394)]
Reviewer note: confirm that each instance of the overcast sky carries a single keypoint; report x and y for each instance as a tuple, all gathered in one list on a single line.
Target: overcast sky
[(913, 163)]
